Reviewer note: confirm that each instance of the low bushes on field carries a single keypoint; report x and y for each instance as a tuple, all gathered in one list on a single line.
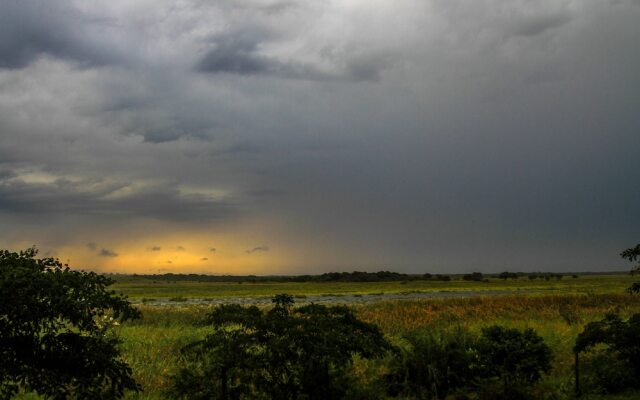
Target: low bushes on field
[(502, 363), (612, 349), (513, 359), (284, 353), (433, 364)]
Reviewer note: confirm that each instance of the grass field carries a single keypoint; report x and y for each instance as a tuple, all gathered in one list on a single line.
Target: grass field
[(558, 310), (138, 288)]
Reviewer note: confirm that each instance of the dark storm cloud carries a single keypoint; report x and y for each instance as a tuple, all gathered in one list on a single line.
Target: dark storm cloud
[(259, 249), (239, 53), (428, 135), (236, 55), (536, 25), (107, 253), (32, 28), (64, 197)]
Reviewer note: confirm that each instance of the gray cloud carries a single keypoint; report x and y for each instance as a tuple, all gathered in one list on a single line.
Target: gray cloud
[(236, 55), (212, 250), (540, 23), (258, 249), (107, 253), (433, 136), (92, 246), (30, 29), (154, 248), (240, 54), (62, 196)]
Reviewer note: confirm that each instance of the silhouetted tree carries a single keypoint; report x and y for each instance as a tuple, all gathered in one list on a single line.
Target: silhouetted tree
[(475, 276), (632, 254), (284, 353), (433, 364), (506, 275), (516, 358), (54, 330), (619, 367)]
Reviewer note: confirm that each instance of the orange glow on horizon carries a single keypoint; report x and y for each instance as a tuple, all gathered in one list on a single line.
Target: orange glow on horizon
[(172, 253)]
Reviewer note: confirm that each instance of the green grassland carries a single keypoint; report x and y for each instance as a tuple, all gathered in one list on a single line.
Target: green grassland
[(557, 309), (138, 288)]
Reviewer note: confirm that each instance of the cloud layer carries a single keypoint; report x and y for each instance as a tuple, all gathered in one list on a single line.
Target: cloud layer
[(422, 136)]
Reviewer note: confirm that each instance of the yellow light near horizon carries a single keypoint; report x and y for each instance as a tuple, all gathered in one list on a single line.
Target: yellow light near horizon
[(189, 256)]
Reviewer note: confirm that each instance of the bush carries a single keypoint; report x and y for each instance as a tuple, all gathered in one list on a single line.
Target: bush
[(285, 353), (475, 276), (516, 359), (506, 275), (433, 364), (617, 342), (632, 254), (54, 330)]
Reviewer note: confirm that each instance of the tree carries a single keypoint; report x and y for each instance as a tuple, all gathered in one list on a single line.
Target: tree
[(506, 275), (516, 358), (632, 254), (433, 364), (474, 276), (54, 330), (284, 353), (619, 348)]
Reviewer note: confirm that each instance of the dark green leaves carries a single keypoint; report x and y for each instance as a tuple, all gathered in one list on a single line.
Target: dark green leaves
[(632, 254), (54, 330), (283, 353)]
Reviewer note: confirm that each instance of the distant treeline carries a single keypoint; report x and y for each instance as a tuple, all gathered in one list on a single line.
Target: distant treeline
[(355, 276)]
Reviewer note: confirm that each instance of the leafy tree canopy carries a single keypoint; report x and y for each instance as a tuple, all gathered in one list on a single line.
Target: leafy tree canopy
[(617, 344), (517, 357), (54, 330), (284, 353), (632, 254)]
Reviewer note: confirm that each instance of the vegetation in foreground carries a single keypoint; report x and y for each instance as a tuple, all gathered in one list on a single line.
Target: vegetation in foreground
[(153, 345), (492, 347), (54, 331)]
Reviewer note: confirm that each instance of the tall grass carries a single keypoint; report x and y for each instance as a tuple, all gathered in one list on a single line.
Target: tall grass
[(152, 345)]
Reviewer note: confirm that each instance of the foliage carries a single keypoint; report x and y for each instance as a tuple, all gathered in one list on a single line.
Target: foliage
[(54, 330), (516, 358), (433, 364), (621, 341), (284, 353), (632, 254), (547, 276), (355, 276), (475, 276), (151, 345), (506, 275), (437, 277)]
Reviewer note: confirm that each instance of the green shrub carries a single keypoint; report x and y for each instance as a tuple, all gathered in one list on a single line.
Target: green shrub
[(433, 364), (633, 254), (616, 344), (284, 353), (55, 336), (513, 358)]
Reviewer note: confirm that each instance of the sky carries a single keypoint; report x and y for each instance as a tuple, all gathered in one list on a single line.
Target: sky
[(306, 136)]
